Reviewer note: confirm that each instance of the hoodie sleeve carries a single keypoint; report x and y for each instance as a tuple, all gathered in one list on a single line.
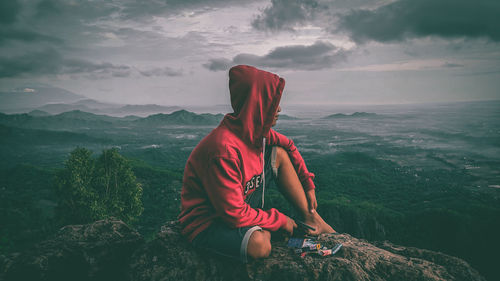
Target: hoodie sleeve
[(225, 191), (305, 177)]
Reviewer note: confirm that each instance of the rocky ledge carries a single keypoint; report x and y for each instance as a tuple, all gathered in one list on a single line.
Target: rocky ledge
[(110, 250)]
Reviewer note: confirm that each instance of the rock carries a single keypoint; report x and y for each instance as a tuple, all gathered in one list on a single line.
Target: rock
[(455, 266), (169, 257), (110, 250), (97, 251)]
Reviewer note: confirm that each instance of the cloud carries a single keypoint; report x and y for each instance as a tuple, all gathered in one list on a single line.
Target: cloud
[(24, 24), (320, 55), (452, 65), (404, 19), (9, 9), (98, 70), (288, 14), (146, 9), (76, 10), (26, 36), (160, 72), (480, 73), (406, 65), (282, 14), (122, 9), (39, 62), (397, 21), (51, 62), (219, 64)]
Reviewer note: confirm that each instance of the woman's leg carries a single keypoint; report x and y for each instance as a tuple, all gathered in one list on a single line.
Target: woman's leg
[(259, 245), (289, 184)]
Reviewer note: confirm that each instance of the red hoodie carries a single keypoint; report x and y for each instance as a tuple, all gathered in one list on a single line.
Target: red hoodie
[(227, 165)]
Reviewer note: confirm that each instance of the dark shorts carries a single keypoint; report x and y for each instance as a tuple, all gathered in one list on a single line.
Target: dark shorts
[(220, 239)]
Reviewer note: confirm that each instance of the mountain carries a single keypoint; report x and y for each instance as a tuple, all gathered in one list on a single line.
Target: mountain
[(87, 116), (87, 105), (77, 119), (35, 97), (97, 107), (38, 113), (93, 104), (142, 109), (130, 118), (17, 120), (57, 108), (181, 117), (70, 120), (354, 115), (287, 117), (56, 100), (111, 250)]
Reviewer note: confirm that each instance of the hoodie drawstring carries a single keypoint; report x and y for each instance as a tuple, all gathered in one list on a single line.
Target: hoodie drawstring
[(263, 170)]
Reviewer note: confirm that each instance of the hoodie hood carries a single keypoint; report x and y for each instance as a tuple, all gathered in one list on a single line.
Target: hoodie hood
[(255, 97)]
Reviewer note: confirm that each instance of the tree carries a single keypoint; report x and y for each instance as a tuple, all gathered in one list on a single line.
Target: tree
[(76, 196), (119, 194), (90, 190)]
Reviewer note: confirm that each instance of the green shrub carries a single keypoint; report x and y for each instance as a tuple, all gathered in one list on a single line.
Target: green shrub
[(91, 189)]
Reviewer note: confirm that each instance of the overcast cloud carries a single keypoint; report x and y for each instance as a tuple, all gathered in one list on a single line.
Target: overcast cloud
[(177, 52), (285, 14), (298, 57), (408, 19), (392, 21)]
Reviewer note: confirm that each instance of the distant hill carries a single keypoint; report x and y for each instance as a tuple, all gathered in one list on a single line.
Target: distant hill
[(97, 107), (34, 97), (354, 115), (87, 105), (57, 108), (55, 100), (181, 117), (17, 120), (76, 119), (82, 115), (90, 103), (38, 113), (130, 118), (141, 109), (65, 121), (147, 107), (287, 117)]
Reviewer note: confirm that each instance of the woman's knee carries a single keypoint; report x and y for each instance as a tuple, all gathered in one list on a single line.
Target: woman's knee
[(259, 245), (281, 155)]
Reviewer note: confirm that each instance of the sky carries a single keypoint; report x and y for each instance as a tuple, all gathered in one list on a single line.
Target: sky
[(178, 52)]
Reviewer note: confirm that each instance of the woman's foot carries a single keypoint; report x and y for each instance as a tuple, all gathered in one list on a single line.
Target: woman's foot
[(316, 221)]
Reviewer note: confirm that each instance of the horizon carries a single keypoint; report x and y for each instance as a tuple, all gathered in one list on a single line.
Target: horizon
[(294, 104), (299, 111)]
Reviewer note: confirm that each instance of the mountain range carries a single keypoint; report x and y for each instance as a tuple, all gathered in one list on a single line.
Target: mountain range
[(56, 100), (181, 117), (354, 115), (30, 98), (77, 119)]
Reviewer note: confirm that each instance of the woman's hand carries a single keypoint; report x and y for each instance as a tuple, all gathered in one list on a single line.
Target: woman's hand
[(311, 201), (290, 226)]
